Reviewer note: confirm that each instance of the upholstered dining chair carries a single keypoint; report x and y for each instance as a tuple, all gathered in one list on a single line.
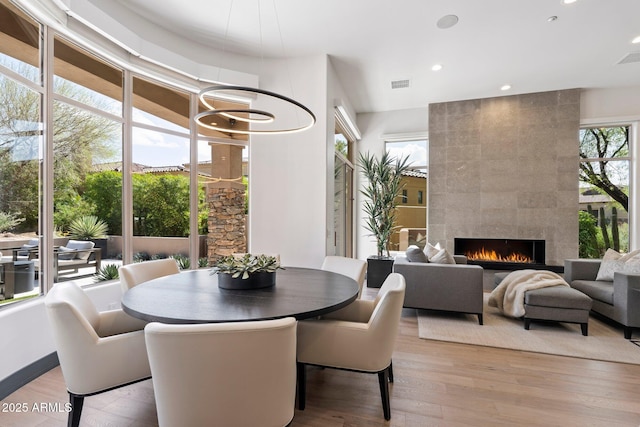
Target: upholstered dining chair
[(351, 267), (136, 273), (98, 351), (359, 337), (224, 374)]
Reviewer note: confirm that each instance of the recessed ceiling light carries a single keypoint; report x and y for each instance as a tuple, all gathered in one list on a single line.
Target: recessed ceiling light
[(552, 18), (437, 67), (569, 1), (505, 87), (636, 40), (447, 21)]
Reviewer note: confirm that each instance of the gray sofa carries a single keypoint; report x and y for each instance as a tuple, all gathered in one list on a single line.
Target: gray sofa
[(618, 300), (446, 287)]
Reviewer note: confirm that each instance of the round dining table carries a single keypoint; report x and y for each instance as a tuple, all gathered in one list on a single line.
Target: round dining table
[(193, 296)]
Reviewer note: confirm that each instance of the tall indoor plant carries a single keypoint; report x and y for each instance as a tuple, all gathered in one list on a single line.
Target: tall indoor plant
[(382, 192)]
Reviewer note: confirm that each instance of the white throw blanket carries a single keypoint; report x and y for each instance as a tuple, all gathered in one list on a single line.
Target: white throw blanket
[(508, 296)]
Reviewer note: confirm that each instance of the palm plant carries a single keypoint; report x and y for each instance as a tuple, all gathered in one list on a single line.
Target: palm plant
[(382, 190), (88, 227)]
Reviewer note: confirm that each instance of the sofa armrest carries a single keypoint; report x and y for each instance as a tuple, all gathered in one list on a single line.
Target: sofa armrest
[(626, 298), (581, 269)]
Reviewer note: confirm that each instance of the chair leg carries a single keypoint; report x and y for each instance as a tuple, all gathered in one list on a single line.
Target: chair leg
[(383, 379), (390, 371), (527, 323), (480, 319), (627, 332), (302, 385), (76, 410)]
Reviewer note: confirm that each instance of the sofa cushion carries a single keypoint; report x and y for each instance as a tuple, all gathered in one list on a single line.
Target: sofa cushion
[(82, 247), (415, 254), (442, 257), (558, 297), (597, 289), (65, 253)]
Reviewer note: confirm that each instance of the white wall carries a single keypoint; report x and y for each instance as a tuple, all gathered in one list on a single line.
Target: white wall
[(373, 126), (288, 173), (26, 335)]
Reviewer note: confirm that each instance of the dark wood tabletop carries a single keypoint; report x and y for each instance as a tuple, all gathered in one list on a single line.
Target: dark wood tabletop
[(194, 297)]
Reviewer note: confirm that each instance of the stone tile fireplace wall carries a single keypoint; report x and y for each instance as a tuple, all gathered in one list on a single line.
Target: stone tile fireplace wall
[(506, 167)]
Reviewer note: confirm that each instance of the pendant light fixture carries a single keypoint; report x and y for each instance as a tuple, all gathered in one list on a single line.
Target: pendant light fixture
[(226, 119)]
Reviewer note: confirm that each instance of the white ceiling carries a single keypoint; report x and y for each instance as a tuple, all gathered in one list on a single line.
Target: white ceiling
[(373, 42)]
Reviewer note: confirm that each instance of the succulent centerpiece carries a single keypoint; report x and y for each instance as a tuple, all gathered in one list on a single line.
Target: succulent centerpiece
[(246, 271)]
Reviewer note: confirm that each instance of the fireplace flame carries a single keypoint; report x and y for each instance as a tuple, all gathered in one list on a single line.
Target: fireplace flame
[(491, 255)]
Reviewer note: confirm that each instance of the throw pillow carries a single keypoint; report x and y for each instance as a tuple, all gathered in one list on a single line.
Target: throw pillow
[(430, 250), (632, 266), (415, 254), (66, 253), (614, 261), (443, 257)]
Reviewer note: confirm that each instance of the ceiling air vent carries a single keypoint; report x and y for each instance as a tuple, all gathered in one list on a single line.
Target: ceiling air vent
[(399, 84), (630, 58)]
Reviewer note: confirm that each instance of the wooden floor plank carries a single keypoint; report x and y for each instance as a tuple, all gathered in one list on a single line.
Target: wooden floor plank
[(436, 384)]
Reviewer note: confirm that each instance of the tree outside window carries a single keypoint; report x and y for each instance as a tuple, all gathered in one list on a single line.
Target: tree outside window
[(604, 190)]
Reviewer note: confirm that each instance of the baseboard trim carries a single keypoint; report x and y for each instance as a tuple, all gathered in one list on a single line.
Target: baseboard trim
[(27, 374)]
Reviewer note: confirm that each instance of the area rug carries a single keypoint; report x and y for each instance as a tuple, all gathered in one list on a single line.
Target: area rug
[(604, 342)]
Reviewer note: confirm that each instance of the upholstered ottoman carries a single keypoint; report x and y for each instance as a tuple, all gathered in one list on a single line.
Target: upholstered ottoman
[(556, 303)]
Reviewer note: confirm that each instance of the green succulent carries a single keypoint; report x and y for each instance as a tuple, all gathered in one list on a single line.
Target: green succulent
[(184, 263), (88, 227), (243, 266), (107, 272)]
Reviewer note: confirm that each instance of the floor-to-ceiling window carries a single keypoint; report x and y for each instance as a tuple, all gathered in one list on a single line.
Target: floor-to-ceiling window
[(87, 148), (605, 184), (411, 219), (343, 193), (160, 176), (21, 140), (84, 139)]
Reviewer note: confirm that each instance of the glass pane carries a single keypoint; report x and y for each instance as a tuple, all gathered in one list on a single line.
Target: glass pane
[(604, 202), (160, 195), (86, 79), (20, 183), (604, 142), (339, 207), (415, 150), (158, 105), (19, 43), (87, 185), (20, 155), (411, 215)]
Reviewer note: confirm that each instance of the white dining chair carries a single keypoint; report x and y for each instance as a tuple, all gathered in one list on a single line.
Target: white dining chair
[(239, 374), (351, 267), (360, 337), (133, 274), (98, 351)]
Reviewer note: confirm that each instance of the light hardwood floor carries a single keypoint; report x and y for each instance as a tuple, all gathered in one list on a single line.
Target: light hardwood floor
[(436, 384)]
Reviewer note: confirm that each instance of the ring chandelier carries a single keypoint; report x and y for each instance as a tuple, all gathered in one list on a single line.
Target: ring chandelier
[(207, 118)]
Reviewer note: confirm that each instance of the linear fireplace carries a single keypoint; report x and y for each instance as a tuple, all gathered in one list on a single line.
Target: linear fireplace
[(502, 254)]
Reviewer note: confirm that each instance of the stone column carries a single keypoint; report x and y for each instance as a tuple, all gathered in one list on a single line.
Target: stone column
[(226, 199)]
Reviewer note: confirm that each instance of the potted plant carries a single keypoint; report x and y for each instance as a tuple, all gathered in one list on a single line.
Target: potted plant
[(382, 192), (246, 271), (90, 227)]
